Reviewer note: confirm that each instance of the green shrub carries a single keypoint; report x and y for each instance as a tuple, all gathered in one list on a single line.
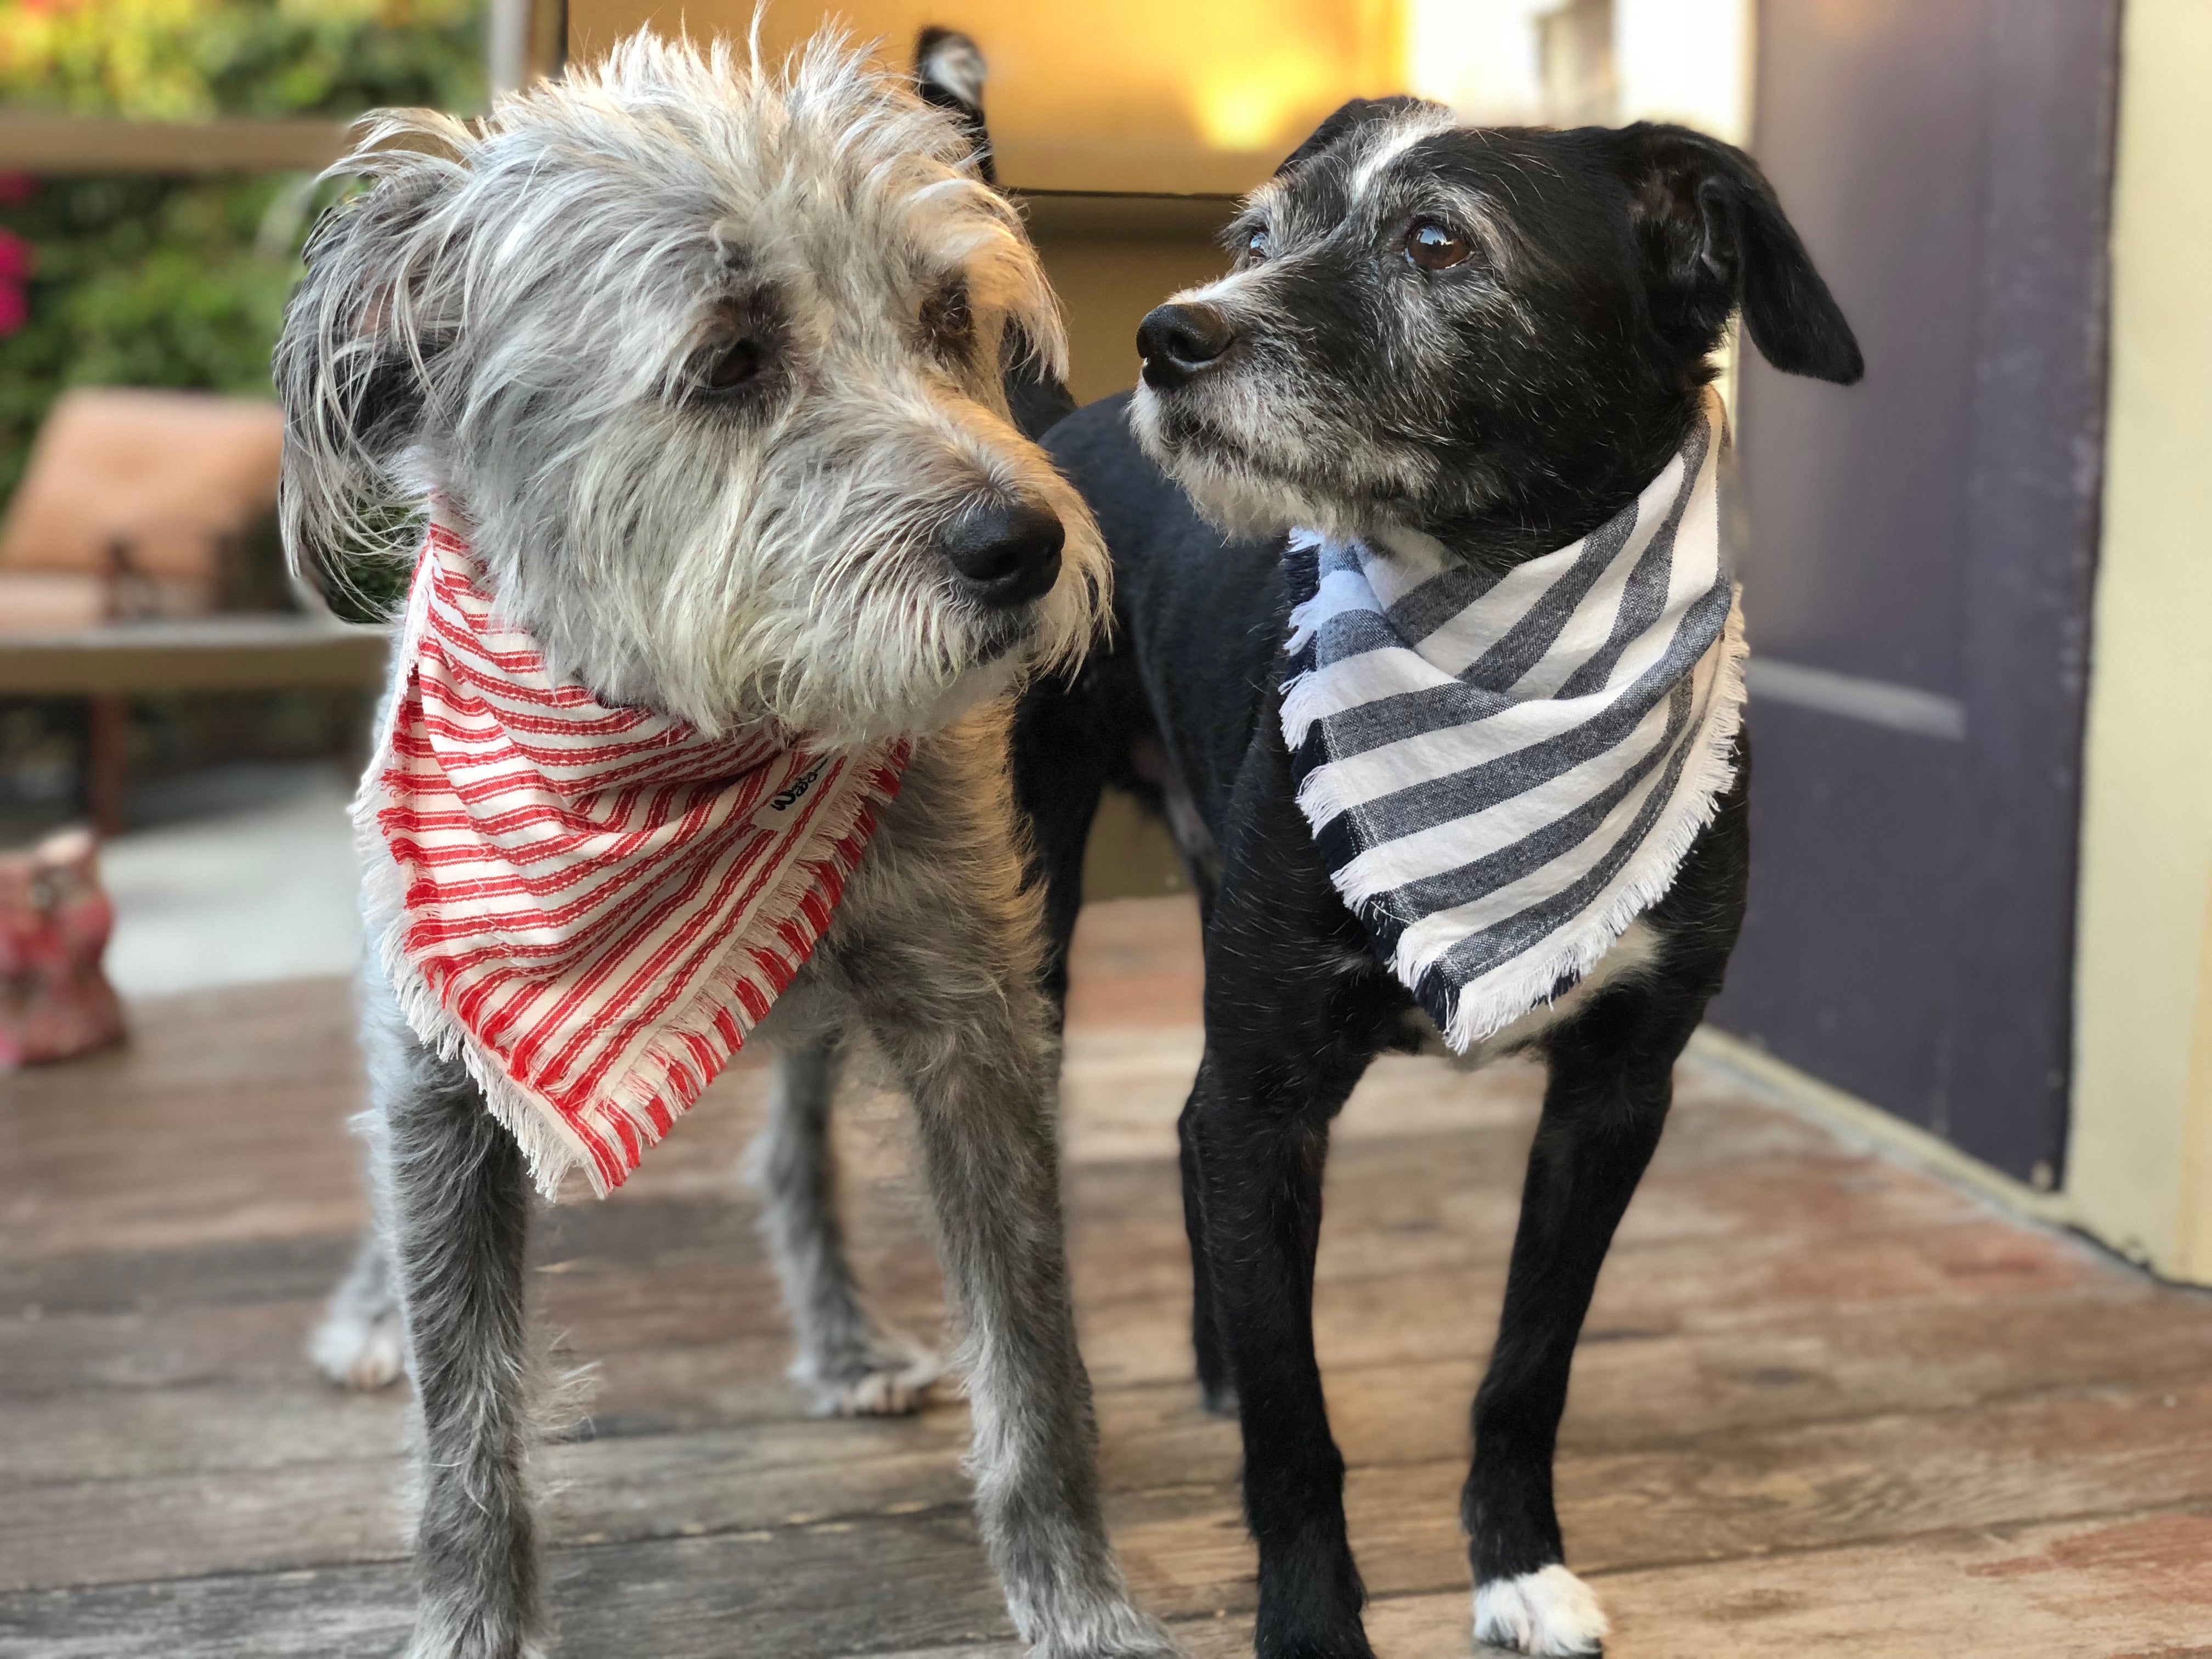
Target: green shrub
[(175, 281)]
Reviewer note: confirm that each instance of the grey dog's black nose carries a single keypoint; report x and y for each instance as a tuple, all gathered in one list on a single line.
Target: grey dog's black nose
[(1177, 342), (1009, 551)]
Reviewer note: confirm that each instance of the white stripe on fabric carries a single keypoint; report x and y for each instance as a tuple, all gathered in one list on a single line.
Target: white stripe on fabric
[(1591, 624), (1460, 642), (1432, 935), (1446, 847)]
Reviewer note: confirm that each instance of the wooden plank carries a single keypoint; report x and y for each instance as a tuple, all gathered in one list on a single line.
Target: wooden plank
[(1627, 1394), (43, 143), (790, 1594), (1417, 1206), (1693, 1497), (2117, 1587), (217, 653), (1133, 1318), (2094, 1587), (1799, 1354)]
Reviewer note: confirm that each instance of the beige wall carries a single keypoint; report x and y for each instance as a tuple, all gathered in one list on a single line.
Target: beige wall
[(1110, 94), (1112, 261), (2139, 1170)]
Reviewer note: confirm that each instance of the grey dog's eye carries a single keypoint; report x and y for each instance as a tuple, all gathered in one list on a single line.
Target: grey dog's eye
[(1258, 245), (1435, 246), (736, 365), (948, 320)]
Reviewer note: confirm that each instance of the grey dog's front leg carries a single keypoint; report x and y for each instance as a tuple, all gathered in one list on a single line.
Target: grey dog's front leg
[(852, 1364), (981, 1069), (457, 1212), (987, 1145)]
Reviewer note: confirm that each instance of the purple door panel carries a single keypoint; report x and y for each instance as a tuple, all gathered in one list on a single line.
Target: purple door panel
[(1919, 553)]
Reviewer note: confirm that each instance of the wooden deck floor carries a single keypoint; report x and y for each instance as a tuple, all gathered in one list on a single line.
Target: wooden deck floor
[(1826, 1405)]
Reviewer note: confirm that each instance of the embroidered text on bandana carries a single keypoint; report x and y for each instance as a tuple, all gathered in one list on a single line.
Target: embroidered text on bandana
[(1501, 772), (590, 905)]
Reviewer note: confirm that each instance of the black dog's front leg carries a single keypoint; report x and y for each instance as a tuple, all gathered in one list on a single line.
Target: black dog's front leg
[(1611, 1081), (1217, 1385), (1260, 1141), (1294, 1012)]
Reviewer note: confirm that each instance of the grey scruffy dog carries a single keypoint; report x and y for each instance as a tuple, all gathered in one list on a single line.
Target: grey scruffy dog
[(711, 360)]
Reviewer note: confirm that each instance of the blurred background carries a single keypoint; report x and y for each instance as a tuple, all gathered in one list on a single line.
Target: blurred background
[(1979, 585)]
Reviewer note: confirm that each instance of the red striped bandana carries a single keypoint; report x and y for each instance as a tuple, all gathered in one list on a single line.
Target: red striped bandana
[(589, 905)]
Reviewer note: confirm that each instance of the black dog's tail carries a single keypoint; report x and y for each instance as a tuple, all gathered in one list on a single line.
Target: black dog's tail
[(949, 72)]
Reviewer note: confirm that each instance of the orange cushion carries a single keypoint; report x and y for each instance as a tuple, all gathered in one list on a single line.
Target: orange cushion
[(167, 475)]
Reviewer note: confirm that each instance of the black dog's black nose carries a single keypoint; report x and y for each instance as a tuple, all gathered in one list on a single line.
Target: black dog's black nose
[(1009, 551), (1177, 342)]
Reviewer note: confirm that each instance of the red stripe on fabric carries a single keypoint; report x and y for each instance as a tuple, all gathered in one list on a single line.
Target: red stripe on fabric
[(459, 647), (625, 1004), (621, 1038), (612, 1169), (607, 950), (609, 956), (620, 849), (632, 866), (593, 960)]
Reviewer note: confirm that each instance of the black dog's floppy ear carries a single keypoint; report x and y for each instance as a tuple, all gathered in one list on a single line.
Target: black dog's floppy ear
[(1359, 113), (949, 72), (1714, 238)]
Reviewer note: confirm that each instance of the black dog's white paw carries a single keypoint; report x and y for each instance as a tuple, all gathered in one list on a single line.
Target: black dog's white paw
[(1549, 1611)]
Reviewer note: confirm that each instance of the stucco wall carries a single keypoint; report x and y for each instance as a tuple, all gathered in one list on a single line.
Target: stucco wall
[(2140, 1163)]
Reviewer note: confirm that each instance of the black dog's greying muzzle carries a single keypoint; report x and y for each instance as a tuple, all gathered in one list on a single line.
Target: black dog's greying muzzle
[(1179, 343)]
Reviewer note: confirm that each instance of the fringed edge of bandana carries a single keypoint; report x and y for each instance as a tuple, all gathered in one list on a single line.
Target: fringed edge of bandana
[(1464, 1019), (551, 1146)]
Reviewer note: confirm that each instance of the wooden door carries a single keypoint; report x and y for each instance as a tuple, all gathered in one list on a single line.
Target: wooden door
[(1918, 558)]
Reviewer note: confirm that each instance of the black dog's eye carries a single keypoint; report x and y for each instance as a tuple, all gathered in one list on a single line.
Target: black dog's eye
[(948, 320), (1258, 245), (736, 365), (1434, 246)]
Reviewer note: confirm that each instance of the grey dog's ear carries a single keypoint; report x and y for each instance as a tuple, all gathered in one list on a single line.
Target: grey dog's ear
[(354, 367), (1714, 237)]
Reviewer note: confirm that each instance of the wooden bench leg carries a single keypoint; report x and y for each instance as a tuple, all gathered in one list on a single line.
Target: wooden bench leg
[(106, 760)]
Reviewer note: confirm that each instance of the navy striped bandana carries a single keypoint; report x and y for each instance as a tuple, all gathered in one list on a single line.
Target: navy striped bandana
[(1501, 772)]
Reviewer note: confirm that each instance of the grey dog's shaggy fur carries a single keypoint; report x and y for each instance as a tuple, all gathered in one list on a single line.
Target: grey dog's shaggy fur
[(524, 320)]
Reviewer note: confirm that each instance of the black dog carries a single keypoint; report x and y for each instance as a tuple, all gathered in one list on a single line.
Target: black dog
[(1496, 339)]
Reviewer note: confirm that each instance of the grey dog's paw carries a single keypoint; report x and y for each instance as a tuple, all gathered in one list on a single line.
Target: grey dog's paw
[(889, 1377), (358, 1349), (469, 1643), (1122, 1632)]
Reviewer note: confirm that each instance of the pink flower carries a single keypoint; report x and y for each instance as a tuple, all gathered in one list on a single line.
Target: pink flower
[(16, 188), (18, 258), (14, 309)]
